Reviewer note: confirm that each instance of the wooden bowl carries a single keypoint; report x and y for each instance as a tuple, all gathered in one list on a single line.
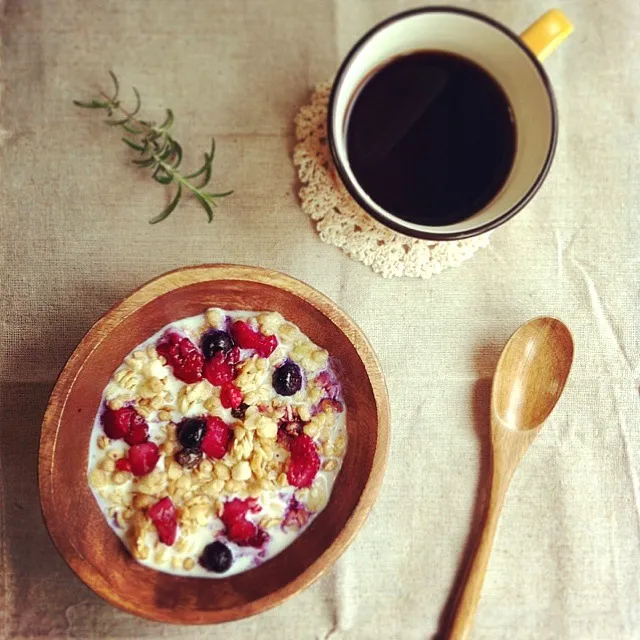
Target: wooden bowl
[(71, 514)]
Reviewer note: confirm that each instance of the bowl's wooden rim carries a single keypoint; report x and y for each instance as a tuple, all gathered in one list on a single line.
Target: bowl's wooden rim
[(159, 286)]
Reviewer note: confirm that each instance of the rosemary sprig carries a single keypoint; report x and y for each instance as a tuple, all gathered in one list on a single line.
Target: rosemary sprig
[(158, 150)]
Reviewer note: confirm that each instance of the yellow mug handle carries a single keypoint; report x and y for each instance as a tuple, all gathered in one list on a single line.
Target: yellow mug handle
[(546, 33)]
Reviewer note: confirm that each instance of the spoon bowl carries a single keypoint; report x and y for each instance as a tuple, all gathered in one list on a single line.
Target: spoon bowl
[(529, 380), (531, 374)]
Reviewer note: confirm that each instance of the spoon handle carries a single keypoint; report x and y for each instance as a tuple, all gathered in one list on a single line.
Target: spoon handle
[(468, 599), (508, 449)]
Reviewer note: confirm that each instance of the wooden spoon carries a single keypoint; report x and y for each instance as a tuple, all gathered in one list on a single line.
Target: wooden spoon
[(528, 382)]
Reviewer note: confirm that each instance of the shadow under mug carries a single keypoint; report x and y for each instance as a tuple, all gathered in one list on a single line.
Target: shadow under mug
[(512, 60)]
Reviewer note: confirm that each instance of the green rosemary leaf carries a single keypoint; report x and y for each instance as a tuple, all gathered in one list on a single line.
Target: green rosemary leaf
[(154, 134), (199, 172), (176, 155), (208, 169), (208, 159), (219, 195), (133, 145), (166, 151), (206, 205), (166, 125), (169, 209), (162, 155), (94, 104), (145, 162), (138, 102), (212, 151), (132, 130), (163, 179), (207, 175), (116, 86), (116, 123), (162, 176)]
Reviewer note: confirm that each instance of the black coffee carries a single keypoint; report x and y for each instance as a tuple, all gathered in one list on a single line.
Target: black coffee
[(431, 137)]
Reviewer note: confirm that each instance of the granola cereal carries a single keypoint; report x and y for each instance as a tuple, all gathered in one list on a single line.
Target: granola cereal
[(217, 442)]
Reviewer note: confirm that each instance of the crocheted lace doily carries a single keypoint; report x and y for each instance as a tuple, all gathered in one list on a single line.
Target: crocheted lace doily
[(342, 222)]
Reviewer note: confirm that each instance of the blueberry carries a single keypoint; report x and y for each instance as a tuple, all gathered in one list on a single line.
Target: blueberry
[(287, 379), (189, 458), (216, 557), (191, 432), (214, 341), (240, 411)]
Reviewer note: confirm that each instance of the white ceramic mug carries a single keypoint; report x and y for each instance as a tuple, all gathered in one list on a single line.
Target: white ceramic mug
[(512, 60)]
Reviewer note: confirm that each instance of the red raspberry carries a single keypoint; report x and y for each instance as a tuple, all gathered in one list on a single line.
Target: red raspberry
[(240, 530), (217, 370), (233, 356), (269, 345), (304, 462), (163, 516), (123, 465), (143, 458), (246, 534), (248, 338), (183, 357), (230, 396), (139, 431), (125, 423), (237, 509), (216, 439)]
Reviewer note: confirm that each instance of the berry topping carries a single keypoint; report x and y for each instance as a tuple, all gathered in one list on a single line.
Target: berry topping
[(335, 405), (139, 431), (287, 379), (143, 458), (287, 431), (123, 465), (216, 440), (239, 412), (248, 338), (230, 396), (240, 530), (191, 431), (183, 357), (216, 341), (125, 423), (296, 515), (304, 462), (328, 383), (163, 516), (246, 534), (237, 509), (188, 458), (217, 370), (216, 557), (233, 357)]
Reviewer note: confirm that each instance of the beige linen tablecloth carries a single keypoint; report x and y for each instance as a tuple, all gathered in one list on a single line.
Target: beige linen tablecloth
[(75, 239)]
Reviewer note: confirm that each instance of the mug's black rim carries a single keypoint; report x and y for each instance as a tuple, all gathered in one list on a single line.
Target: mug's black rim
[(454, 235)]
